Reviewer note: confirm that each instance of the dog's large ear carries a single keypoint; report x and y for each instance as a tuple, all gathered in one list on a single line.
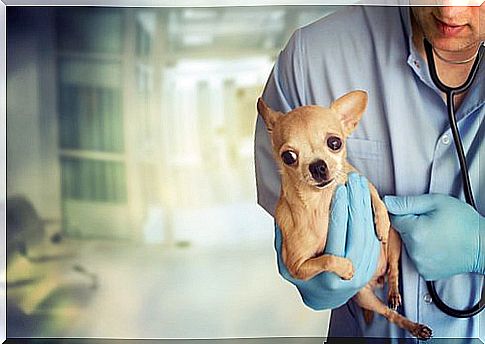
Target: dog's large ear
[(350, 107), (269, 116)]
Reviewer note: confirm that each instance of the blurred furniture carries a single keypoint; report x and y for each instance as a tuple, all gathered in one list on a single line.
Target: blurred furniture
[(44, 280)]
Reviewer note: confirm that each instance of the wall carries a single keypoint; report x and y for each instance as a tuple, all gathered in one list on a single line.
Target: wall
[(32, 135)]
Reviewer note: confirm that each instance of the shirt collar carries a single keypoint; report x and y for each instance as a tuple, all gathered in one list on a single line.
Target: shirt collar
[(414, 59)]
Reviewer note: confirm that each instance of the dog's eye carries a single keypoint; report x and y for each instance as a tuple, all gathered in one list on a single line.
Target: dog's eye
[(334, 143), (289, 157)]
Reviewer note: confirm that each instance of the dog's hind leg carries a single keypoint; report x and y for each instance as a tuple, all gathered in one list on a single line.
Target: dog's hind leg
[(393, 254), (366, 298), (368, 316)]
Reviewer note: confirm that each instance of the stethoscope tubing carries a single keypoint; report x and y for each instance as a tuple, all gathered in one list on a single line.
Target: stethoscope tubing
[(450, 92)]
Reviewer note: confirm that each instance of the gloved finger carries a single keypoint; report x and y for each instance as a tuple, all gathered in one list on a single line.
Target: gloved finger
[(368, 211), (373, 258), (373, 241), (405, 205), (370, 243), (368, 263), (355, 193), (337, 227), (404, 224), (277, 238), (358, 232)]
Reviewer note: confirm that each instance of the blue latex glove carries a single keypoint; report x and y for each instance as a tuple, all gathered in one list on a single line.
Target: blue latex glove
[(442, 235), (351, 234)]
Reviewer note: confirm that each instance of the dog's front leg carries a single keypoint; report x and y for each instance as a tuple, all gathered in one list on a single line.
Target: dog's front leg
[(381, 218), (311, 267)]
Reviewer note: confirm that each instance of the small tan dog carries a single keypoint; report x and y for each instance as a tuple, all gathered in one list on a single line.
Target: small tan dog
[(309, 147)]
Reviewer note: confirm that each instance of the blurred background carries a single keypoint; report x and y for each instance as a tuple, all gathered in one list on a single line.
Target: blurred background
[(131, 207)]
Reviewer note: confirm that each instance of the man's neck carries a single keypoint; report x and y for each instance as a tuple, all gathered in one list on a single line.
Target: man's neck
[(450, 74)]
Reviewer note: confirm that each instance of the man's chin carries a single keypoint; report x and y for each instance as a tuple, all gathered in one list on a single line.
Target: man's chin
[(455, 48)]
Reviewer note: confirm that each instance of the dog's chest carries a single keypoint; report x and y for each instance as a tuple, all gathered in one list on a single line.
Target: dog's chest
[(318, 225), (311, 226)]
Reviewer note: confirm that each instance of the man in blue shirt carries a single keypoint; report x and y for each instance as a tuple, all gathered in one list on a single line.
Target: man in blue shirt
[(403, 145)]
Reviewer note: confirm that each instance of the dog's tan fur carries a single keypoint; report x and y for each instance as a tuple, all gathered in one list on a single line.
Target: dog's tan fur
[(302, 211)]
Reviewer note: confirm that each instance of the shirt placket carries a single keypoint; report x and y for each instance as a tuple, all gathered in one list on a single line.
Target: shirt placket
[(424, 301), (437, 178)]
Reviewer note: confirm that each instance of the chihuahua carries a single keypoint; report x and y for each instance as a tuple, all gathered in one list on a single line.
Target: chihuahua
[(309, 148)]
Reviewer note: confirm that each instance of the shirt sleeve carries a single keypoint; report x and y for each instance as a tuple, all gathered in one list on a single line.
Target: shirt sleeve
[(283, 92)]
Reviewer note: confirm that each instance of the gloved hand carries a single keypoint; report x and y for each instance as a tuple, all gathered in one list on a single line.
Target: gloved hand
[(442, 235), (351, 234)]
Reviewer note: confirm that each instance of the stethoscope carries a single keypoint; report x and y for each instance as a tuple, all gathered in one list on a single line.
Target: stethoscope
[(450, 93)]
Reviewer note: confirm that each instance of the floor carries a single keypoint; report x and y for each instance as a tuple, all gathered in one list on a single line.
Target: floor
[(107, 289)]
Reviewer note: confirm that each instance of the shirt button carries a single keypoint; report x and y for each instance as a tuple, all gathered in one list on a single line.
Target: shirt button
[(445, 139), (427, 299), (416, 63)]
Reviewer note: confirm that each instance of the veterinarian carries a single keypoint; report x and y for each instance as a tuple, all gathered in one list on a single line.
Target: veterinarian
[(404, 146)]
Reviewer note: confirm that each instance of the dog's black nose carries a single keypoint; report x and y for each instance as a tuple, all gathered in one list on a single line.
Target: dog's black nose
[(318, 169)]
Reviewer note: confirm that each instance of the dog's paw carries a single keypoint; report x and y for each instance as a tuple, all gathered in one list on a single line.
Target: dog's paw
[(381, 280), (382, 234), (346, 269), (382, 225), (394, 299), (421, 332)]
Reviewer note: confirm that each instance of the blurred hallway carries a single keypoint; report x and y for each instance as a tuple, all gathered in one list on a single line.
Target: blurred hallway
[(154, 292), (131, 201)]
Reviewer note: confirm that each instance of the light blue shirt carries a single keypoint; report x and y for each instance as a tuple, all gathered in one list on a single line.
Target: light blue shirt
[(403, 143)]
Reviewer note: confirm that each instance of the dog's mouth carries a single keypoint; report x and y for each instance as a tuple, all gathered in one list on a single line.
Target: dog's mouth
[(324, 184)]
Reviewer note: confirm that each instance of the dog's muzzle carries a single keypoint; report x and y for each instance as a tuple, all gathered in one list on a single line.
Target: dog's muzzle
[(319, 172)]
